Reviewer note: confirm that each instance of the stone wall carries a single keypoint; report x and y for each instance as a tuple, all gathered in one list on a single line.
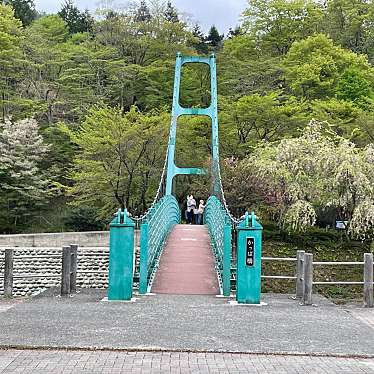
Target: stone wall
[(36, 269), (37, 260)]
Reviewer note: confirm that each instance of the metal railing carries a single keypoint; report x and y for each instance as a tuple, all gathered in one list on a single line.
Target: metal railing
[(219, 226), (153, 233), (305, 275)]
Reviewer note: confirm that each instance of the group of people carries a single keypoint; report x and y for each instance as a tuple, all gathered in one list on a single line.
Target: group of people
[(193, 213)]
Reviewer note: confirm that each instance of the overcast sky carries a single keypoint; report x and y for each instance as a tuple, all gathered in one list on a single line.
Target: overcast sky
[(222, 13)]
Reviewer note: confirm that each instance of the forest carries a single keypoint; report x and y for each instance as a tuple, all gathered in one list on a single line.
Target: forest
[(85, 107)]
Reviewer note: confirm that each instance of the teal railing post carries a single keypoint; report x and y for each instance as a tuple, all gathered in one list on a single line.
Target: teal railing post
[(143, 271), (226, 281), (121, 257), (249, 248)]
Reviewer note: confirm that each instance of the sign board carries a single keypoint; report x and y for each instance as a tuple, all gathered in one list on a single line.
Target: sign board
[(250, 252), (341, 225)]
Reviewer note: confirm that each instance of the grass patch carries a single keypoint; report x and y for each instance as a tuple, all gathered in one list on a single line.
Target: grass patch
[(326, 245)]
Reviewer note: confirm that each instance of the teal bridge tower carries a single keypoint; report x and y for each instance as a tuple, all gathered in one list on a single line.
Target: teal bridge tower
[(133, 265), (177, 111)]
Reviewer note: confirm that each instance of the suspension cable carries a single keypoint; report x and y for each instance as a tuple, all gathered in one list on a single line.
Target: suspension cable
[(223, 198), (158, 194)]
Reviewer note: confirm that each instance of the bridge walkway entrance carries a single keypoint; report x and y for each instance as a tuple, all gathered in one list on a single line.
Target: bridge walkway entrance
[(187, 264)]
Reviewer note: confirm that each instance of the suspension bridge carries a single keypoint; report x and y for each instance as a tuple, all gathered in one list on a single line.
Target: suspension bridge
[(221, 257)]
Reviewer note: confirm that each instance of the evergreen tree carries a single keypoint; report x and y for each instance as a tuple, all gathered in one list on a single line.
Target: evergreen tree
[(200, 45), (214, 39), (24, 10), (76, 20), (143, 14), (171, 13), (234, 32)]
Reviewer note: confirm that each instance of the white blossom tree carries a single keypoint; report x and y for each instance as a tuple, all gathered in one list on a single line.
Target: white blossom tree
[(23, 185), (315, 171)]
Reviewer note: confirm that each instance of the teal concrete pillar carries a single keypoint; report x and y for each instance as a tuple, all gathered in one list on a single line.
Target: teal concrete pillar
[(121, 257), (249, 248), (143, 272), (226, 273)]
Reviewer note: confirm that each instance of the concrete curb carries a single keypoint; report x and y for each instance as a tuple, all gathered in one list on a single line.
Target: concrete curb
[(5, 347)]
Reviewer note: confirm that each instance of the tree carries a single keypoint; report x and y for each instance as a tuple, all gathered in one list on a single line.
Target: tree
[(10, 55), (314, 67), (214, 39), (350, 24), (23, 184), (171, 13), (256, 118), (275, 24), (245, 70), (76, 20), (120, 158), (234, 32), (353, 86), (45, 61), (24, 10), (199, 41), (142, 13), (298, 177)]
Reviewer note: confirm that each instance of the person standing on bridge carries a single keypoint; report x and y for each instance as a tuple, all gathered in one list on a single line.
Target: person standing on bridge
[(200, 213), (191, 206)]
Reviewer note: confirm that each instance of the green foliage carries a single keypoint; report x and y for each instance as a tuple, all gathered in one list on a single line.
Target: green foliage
[(316, 170), (353, 86), (314, 67), (24, 10), (84, 219), (289, 61), (199, 40), (275, 24), (143, 14), (76, 20), (10, 56), (258, 118), (171, 13), (214, 39), (350, 23), (119, 159)]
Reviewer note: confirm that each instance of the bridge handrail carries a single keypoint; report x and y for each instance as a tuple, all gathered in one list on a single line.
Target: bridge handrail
[(219, 226), (153, 233)]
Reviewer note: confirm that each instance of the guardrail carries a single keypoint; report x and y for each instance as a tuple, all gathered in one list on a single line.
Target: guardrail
[(305, 280), (219, 226), (153, 232)]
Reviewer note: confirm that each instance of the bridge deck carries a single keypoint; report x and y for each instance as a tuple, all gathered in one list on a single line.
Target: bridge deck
[(187, 263)]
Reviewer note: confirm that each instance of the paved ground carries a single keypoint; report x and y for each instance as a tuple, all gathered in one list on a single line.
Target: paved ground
[(187, 263), (187, 323), (365, 315), (105, 362)]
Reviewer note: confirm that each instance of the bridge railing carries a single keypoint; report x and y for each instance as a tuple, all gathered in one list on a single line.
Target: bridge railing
[(220, 230), (153, 232)]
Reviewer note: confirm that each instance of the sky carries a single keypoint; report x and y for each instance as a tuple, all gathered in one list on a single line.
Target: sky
[(221, 13)]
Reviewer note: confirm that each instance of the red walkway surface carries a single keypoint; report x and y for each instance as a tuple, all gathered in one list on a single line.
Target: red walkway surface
[(187, 263)]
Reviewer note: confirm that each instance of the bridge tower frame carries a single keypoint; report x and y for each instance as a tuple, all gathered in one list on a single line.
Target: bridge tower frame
[(177, 111)]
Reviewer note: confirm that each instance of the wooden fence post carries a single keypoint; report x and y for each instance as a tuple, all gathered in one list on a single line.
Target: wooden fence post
[(300, 273), (65, 271), (73, 267), (308, 279), (8, 272), (368, 280)]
